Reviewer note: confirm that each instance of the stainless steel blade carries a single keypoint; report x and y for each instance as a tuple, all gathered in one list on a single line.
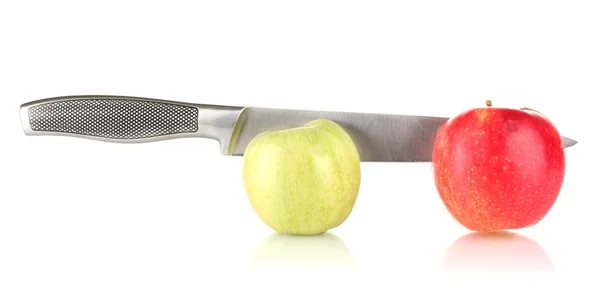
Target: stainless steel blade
[(378, 137)]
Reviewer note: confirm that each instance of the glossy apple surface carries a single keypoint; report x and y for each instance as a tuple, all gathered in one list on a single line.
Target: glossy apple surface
[(302, 180), (497, 168)]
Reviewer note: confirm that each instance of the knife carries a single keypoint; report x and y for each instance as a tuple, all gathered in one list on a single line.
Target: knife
[(378, 137)]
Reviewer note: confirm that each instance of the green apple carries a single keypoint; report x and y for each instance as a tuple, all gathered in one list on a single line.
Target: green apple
[(302, 180)]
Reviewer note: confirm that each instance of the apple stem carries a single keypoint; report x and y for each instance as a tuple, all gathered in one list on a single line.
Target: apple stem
[(488, 103)]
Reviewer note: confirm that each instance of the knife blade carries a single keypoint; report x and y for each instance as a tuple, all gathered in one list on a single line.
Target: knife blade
[(378, 137)]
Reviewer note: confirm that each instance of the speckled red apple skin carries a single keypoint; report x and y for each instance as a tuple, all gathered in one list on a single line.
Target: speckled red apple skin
[(498, 169)]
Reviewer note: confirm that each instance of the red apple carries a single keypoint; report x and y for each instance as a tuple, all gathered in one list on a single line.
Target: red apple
[(498, 168)]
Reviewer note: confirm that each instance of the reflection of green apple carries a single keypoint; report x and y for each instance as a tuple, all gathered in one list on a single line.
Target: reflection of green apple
[(302, 180), (326, 252)]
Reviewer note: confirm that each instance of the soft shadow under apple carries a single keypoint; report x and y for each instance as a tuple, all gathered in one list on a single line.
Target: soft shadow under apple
[(497, 251), (316, 252)]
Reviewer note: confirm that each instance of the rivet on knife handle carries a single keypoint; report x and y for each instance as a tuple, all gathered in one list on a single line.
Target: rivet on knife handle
[(129, 119)]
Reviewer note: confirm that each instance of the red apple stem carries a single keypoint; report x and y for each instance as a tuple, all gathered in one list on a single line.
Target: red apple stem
[(488, 103)]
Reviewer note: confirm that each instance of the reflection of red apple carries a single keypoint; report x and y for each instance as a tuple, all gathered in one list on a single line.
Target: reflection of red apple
[(496, 251), (498, 169)]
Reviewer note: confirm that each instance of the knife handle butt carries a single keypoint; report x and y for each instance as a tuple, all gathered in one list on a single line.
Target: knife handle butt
[(128, 119)]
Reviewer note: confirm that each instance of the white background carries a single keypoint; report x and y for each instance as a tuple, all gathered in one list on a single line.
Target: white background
[(81, 214)]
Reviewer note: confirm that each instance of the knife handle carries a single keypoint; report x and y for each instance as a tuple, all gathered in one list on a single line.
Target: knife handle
[(129, 119)]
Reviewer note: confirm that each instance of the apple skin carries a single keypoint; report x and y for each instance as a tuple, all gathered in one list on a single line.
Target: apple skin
[(305, 180), (498, 168)]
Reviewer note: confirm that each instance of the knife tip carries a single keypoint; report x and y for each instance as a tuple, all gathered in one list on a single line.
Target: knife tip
[(568, 142)]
